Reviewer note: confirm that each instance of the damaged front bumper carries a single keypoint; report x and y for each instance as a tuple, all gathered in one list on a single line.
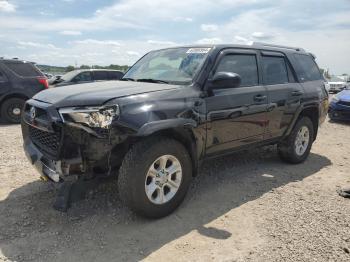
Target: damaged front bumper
[(65, 152), (48, 169)]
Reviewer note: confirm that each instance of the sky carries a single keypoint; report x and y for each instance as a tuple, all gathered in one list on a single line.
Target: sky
[(103, 32)]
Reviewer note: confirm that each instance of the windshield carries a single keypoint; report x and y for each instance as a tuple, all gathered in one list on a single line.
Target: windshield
[(176, 65)]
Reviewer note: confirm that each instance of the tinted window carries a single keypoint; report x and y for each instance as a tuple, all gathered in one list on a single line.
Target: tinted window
[(274, 70), (115, 75), (23, 69), (84, 76), (244, 65), (306, 68), (100, 75)]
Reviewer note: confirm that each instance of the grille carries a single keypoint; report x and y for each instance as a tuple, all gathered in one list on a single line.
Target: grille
[(49, 142), (345, 103)]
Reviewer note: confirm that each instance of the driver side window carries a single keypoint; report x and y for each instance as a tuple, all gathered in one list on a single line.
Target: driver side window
[(244, 65)]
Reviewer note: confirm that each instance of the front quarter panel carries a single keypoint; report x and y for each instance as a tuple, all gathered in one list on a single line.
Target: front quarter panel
[(177, 109)]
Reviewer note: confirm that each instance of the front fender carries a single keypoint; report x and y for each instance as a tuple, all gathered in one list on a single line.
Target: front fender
[(152, 127)]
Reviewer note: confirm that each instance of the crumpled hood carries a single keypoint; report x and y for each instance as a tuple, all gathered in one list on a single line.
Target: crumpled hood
[(96, 93)]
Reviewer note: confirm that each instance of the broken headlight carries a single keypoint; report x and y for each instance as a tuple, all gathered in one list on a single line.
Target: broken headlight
[(101, 117)]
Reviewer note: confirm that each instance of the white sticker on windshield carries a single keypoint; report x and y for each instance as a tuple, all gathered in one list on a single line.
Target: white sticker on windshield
[(198, 50)]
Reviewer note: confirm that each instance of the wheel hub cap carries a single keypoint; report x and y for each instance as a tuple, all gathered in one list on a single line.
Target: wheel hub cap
[(163, 179), (302, 140), (16, 111)]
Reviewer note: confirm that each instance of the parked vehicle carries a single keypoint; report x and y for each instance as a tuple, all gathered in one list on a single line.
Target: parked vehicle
[(54, 79), (87, 76), (336, 84), (19, 81), (339, 108), (175, 108)]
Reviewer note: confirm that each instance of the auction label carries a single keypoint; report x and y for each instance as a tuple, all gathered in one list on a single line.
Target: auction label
[(198, 50)]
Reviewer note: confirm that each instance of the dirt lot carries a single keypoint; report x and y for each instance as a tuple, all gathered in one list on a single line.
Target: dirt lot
[(244, 207)]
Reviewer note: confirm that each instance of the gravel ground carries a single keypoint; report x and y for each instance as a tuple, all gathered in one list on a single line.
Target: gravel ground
[(246, 207)]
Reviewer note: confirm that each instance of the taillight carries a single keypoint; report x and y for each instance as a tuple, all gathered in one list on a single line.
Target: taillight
[(43, 81)]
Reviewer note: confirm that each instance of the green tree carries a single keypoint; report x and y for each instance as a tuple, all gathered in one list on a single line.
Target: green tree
[(84, 67), (69, 68)]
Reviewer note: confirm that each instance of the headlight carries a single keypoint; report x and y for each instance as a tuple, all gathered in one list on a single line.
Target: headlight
[(101, 117)]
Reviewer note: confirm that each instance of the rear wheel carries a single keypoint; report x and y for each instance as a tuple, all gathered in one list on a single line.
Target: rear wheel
[(11, 110), (155, 176), (296, 148)]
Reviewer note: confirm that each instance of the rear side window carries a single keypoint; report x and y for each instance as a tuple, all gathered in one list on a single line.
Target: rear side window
[(23, 69), (306, 68), (244, 65), (115, 75), (274, 70), (84, 76), (100, 75)]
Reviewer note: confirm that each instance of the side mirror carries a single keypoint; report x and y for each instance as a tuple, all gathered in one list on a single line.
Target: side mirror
[(226, 80)]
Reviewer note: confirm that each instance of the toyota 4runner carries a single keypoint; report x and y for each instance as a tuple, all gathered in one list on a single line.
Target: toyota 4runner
[(173, 109)]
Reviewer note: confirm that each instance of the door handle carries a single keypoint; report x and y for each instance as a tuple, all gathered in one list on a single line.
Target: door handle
[(259, 98), (297, 93)]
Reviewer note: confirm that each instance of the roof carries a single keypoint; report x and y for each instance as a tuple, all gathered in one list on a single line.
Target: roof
[(254, 45)]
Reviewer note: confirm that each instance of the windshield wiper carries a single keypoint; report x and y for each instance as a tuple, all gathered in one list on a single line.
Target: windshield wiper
[(150, 80), (127, 79)]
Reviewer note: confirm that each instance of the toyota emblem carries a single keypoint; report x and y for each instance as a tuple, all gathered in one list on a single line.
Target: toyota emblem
[(32, 112)]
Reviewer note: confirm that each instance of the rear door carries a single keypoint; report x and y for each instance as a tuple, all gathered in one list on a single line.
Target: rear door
[(236, 116), (284, 93)]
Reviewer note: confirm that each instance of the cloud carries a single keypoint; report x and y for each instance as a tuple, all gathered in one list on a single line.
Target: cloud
[(156, 42), (209, 27), (214, 40), (24, 44), (262, 36), (5, 6), (182, 19), (70, 32), (241, 40), (133, 53), (97, 42)]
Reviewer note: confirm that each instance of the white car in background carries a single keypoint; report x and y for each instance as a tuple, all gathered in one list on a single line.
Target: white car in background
[(336, 84)]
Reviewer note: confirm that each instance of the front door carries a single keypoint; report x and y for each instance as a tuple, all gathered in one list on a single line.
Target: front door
[(236, 116)]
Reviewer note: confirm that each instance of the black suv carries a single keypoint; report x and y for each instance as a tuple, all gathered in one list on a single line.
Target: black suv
[(87, 75), (19, 81), (174, 108)]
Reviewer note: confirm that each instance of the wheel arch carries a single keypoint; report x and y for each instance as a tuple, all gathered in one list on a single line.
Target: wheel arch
[(311, 112), (13, 95), (184, 136)]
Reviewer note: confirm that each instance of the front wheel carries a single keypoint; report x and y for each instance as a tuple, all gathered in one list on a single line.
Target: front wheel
[(296, 148), (155, 176)]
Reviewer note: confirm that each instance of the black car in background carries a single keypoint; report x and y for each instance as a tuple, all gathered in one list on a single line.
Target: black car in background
[(86, 76), (19, 81)]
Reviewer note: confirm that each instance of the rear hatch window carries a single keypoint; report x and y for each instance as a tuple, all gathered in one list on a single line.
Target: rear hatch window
[(23, 69)]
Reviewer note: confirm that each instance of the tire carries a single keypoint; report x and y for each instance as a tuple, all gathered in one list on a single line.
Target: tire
[(289, 151), (11, 110), (135, 179)]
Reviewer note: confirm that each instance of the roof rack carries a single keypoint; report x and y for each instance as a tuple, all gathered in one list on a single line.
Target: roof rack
[(277, 46)]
